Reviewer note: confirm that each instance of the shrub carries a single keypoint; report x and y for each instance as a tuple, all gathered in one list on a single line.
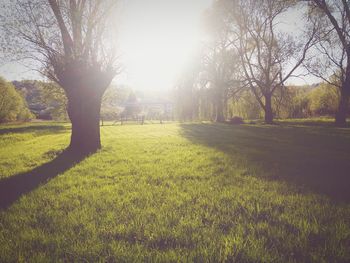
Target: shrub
[(236, 120)]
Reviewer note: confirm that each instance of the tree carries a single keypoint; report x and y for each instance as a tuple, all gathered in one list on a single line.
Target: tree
[(54, 99), (12, 104), (68, 40), (295, 102), (220, 63), (323, 100), (186, 96), (266, 53), (132, 108), (246, 106), (334, 45), (110, 110), (218, 73)]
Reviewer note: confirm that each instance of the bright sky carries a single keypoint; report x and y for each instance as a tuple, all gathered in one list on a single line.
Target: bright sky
[(156, 38)]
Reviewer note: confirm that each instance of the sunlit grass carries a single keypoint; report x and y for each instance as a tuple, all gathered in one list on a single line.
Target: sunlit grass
[(182, 192)]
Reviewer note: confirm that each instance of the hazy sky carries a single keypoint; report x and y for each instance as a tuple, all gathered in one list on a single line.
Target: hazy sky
[(157, 38)]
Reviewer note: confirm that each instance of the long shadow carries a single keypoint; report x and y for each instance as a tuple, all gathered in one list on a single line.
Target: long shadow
[(312, 124), (12, 188), (316, 159), (33, 128)]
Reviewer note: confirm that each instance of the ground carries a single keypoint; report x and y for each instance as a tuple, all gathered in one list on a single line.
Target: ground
[(177, 192)]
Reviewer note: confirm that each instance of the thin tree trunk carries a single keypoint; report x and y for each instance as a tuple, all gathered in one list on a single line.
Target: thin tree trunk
[(219, 113), (84, 112), (219, 117), (268, 110)]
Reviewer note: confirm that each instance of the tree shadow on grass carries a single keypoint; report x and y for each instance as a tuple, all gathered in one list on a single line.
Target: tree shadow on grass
[(326, 123), (34, 128), (318, 159), (12, 188)]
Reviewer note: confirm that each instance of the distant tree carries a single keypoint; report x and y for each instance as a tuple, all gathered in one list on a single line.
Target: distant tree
[(54, 99), (295, 102), (332, 63), (131, 108), (219, 72), (12, 105), (186, 95), (246, 106), (110, 108), (266, 53), (110, 113), (30, 89), (220, 62), (68, 39), (324, 100), (44, 98)]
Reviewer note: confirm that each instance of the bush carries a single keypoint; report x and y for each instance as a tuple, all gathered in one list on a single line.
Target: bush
[(236, 120)]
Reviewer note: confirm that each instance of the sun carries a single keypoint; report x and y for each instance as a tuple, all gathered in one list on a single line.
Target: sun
[(157, 40)]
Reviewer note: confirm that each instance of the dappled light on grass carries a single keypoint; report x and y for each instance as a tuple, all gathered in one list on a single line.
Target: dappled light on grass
[(177, 193)]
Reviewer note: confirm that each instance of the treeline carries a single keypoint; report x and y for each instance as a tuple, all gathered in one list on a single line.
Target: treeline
[(29, 99), (45, 100), (40, 101), (250, 53), (295, 102)]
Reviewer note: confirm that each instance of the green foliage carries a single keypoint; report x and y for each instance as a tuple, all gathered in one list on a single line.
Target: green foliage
[(193, 103), (294, 103), (113, 96), (246, 106), (48, 100), (308, 101), (53, 97), (324, 100), (12, 105), (179, 193), (291, 102), (45, 99)]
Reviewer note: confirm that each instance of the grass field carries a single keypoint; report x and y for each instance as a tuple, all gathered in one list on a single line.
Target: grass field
[(176, 192)]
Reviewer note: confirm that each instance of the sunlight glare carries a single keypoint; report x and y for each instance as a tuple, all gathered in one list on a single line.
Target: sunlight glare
[(157, 39)]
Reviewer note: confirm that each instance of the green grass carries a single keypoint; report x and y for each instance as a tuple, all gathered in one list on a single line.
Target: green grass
[(179, 192)]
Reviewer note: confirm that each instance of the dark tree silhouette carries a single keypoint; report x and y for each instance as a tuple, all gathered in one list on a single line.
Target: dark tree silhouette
[(67, 38), (334, 44), (219, 61), (266, 53)]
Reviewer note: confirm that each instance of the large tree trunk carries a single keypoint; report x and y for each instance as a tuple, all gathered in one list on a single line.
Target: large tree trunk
[(268, 110), (84, 106), (340, 117)]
